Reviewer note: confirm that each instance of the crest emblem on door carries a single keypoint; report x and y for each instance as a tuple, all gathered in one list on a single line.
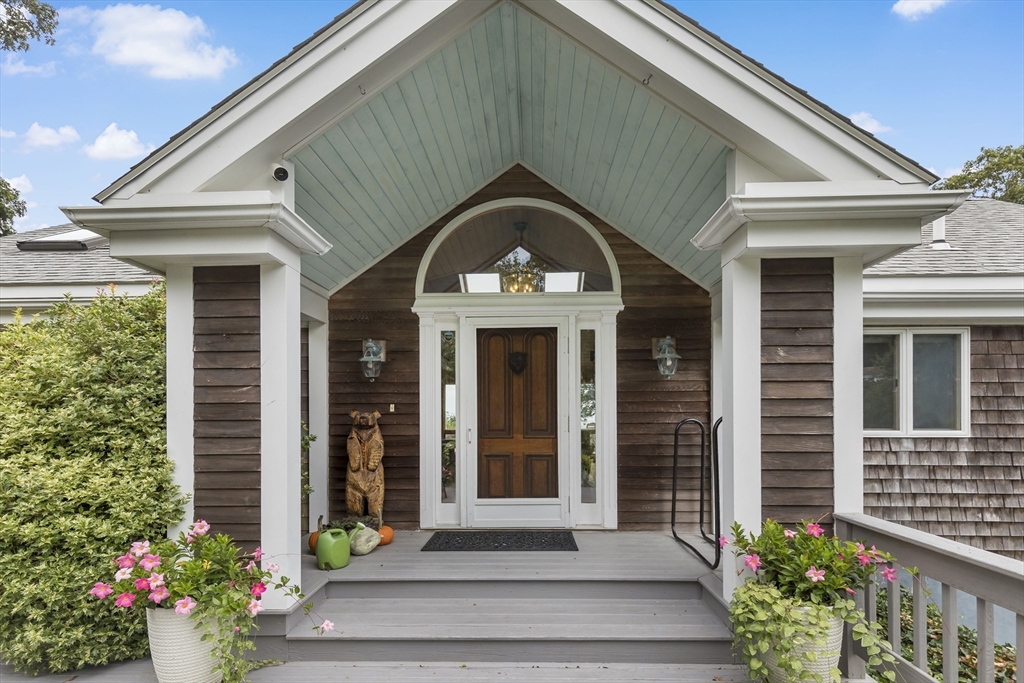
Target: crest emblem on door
[(517, 362)]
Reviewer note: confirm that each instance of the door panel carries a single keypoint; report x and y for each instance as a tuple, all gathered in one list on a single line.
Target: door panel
[(518, 418)]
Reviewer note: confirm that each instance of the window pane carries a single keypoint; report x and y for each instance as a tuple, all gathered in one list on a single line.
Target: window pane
[(936, 381), (588, 418), (448, 416), (881, 381)]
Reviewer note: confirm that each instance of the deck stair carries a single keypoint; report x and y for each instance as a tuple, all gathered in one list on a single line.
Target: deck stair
[(624, 598)]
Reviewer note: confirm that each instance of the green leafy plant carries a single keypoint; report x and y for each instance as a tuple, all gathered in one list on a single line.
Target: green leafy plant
[(802, 578), (307, 439), (207, 578), (83, 472)]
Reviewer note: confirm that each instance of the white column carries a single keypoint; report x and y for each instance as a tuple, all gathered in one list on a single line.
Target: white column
[(716, 353), (741, 403), (848, 404), (180, 391), (280, 399), (319, 422)]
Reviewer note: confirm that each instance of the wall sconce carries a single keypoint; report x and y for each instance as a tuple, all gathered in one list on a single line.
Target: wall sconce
[(374, 354), (664, 352)]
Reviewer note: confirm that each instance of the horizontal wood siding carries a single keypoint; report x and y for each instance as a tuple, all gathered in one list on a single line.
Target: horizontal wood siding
[(796, 390), (226, 329), (658, 301), (969, 489)]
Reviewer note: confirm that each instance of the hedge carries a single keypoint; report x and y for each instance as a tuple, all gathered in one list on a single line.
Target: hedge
[(83, 472)]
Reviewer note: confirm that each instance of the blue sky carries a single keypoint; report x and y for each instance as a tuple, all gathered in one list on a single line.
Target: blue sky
[(937, 79)]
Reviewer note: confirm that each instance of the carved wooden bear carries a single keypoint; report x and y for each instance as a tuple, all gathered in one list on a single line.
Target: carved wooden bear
[(365, 481)]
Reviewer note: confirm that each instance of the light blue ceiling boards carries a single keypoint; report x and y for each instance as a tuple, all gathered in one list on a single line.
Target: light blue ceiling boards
[(510, 89)]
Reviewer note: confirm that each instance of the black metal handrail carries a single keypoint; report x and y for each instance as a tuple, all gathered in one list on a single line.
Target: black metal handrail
[(705, 473)]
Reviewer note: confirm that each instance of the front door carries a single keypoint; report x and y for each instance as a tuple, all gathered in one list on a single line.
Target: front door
[(517, 482)]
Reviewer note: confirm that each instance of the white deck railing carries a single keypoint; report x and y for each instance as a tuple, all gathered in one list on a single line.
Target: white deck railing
[(992, 580)]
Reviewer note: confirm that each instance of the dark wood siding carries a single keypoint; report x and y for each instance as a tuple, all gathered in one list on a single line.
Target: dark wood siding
[(968, 489), (658, 301), (226, 331), (796, 389), (304, 476)]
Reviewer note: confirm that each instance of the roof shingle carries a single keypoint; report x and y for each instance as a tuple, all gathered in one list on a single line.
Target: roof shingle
[(62, 267)]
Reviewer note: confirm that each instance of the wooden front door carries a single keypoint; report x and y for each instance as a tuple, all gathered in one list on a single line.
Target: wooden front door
[(517, 413)]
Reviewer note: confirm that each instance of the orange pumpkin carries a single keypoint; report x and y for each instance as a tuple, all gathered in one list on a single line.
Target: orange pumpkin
[(315, 536), (387, 534)]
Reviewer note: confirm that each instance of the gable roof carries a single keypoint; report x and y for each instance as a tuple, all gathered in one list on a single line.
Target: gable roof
[(986, 237), (94, 266)]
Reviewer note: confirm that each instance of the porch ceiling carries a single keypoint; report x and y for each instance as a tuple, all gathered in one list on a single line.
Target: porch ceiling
[(510, 89)]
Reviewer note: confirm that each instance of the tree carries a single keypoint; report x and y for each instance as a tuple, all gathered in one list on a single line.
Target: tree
[(997, 173), (11, 206), (25, 20)]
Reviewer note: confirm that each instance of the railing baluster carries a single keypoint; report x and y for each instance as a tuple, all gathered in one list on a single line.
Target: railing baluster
[(870, 602), (895, 632), (950, 637), (986, 650), (920, 624), (1020, 647)]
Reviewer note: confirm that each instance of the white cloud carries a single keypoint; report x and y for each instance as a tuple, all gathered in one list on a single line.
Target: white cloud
[(41, 136), (869, 123), (14, 66), (915, 9), (165, 43), (21, 183), (7, 133), (23, 225), (114, 143)]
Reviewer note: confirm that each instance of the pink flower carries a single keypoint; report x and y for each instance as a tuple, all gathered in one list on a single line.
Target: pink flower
[(150, 562), (184, 606), (140, 548), (125, 600), (189, 538), (250, 567), (722, 541), (864, 560), (789, 533), (815, 529), (851, 591), (237, 629), (156, 580), (101, 590), (142, 584), (815, 574), (889, 573), (200, 528), (258, 553), (259, 589), (273, 568), (752, 561), (860, 547), (255, 606), (326, 626), (159, 594), (126, 561), (123, 574)]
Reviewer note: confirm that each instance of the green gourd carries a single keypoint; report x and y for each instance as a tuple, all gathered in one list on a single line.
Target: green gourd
[(332, 548)]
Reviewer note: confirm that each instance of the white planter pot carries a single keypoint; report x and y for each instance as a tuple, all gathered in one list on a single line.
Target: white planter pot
[(179, 653), (828, 656)]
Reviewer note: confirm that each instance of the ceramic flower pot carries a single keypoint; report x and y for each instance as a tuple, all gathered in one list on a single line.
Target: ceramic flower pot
[(828, 656), (179, 653)]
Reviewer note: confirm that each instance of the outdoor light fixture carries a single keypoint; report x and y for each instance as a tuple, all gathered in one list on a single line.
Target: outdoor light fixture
[(664, 352), (373, 357)]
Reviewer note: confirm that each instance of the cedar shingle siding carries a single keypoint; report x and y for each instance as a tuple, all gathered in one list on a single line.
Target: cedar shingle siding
[(969, 489)]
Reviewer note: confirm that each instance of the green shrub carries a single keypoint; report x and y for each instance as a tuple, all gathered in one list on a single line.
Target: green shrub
[(83, 472)]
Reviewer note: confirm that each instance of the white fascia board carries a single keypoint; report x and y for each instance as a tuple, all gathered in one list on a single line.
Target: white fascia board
[(313, 302), (208, 246), (742, 104), (198, 211), (274, 116), (944, 300), (835, 203)]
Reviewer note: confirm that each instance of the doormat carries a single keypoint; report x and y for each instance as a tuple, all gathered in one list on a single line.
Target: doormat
[(501, 540)]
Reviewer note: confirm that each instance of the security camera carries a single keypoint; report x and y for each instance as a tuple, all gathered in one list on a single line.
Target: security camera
[(280, 173)]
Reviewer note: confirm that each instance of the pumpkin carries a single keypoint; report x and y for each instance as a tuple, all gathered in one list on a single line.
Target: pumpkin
[(315, 536), (387, 534)]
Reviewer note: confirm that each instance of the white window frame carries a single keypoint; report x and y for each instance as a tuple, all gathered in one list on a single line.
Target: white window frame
[(906, 381)]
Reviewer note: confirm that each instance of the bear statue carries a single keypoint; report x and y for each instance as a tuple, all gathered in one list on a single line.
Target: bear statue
[(365, 480)]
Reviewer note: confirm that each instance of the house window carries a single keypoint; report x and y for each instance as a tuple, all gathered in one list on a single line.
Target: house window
[(916, 382)]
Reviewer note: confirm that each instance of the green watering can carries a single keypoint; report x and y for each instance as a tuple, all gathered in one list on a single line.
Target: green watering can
[(332, 547)]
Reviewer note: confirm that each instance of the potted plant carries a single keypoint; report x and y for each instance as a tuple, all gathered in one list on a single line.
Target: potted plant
[(788, 617), (201, 596)]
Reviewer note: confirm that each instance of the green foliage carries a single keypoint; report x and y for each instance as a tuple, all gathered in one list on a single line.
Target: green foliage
[(25, 20), (307, 439), (11, 206), (83, 471), (1005, 654), (997, 172)]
